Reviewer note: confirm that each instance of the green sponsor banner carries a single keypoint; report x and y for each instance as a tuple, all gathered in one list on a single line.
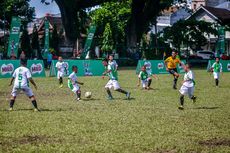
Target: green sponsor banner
[(89, 41), (36, 68), (46, 45), (157, 66), (14, 37), (85, 67), (225, 65), (220, 47)]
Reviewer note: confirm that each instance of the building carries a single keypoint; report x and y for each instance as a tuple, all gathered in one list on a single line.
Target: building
[(217, 16)]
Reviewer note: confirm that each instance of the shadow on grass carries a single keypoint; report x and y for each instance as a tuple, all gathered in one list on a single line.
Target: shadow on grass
[(205, 107)]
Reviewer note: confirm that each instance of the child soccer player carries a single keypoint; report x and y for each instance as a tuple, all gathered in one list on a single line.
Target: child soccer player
[(171, 66), (144, 78), (187, 87), (21, 76), (73, 83), (60, 65), (216, 69), (113, 62), (113, 83)]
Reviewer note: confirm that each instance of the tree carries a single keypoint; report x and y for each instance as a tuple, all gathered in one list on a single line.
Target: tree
[(107, 44), (55, 40), (190, 32), (35, 42), (25, 43), (20, 8)]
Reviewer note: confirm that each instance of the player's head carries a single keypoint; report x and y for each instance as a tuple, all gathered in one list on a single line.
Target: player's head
[(187, 67), (105, 61), (74, 68), (60, 59), (111, 57), (174, 54), (23, 62), (143, 68), (217, 59)]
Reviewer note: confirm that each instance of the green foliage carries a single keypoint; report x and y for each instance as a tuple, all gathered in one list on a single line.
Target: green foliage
[(54, 40), (107, 44), (18, 8), (190, 32), (35, 42)]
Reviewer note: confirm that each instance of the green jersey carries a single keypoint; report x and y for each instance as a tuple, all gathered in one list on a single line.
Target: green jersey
[(143, 75), (113, 73), (217, 67)]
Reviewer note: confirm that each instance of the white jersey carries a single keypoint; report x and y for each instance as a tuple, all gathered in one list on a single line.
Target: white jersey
[(60, 66), (113, 64), (73, 77), (21, 75), (189, 79)]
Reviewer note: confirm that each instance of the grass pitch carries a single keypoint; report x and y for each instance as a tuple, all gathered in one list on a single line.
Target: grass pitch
[(149, 122)]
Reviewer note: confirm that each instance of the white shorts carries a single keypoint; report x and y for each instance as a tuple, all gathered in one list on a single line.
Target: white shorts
[(145, 83), (27, 90), (216, 75), (74, 88), (60, 74), (184, 90), (113, 84)]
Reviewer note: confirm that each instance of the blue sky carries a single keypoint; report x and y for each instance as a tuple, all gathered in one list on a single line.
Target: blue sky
[(42, 9)]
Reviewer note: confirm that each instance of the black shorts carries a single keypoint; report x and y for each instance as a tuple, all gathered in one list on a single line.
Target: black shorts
[(173, 71)]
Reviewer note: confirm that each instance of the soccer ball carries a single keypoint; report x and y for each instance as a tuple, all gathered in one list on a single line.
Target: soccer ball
[(88, 94)]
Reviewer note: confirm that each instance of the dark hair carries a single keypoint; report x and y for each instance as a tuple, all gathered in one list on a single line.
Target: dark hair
[(105, 60), (74, 66), (23, 61)]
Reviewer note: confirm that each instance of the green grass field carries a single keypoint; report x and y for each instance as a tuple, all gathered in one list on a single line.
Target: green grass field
[(149, 122)]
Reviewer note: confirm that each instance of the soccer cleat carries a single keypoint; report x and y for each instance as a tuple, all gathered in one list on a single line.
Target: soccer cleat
[(78, 99), (128, 95), (194, 99), (110, 98), (61, 86), (181, 107), (36, 110), (11, 109)]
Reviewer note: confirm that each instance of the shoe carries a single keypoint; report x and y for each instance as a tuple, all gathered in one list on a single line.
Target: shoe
[(181, 107), (78, 99), (174, 87), (194, 99), (61, 86), (36, 110), (128, 95), (11, 109), (110, 98)]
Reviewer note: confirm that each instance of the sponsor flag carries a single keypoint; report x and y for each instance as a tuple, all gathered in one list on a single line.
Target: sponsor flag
[(220, 47), (14, 37), (46, 45), (89, 41)]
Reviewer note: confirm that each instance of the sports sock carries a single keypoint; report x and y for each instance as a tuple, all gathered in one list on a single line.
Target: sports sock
[(60, 80), (122, 91), (175, 81), (149, 82), (12, 103), (217, 82), (182, 100), (109, 92), (78, 94), (34, 103)]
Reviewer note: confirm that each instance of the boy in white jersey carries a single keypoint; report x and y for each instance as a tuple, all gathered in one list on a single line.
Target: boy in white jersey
[(113, 80), (73, 83), (145, 78), (22, 76), (112, 62), (187, 87), (60, 65), (216, 69)]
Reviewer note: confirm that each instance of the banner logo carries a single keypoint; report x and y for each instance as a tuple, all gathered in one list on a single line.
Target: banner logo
[(36, 68), (9, 68), (160, 65)]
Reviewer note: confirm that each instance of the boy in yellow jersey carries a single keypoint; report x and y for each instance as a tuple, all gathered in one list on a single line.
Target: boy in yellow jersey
[(171, 66)]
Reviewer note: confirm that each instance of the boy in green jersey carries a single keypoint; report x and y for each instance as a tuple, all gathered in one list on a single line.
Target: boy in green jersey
[(113, 80), (216, 69), (144, 78)]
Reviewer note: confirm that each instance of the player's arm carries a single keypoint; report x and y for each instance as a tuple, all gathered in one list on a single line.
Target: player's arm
[(11, 81), (155, 76), (33, 83), (166, 64), (81, 83)]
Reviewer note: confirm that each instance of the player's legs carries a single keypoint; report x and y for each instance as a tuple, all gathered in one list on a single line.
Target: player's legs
[(216, 77), (149, 82), (60, 78), (191, 94), (13, 97), (108, 86), (76, 90), (144, 84), (176, 76), (183, 91), (28, 91), (117, 87)]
